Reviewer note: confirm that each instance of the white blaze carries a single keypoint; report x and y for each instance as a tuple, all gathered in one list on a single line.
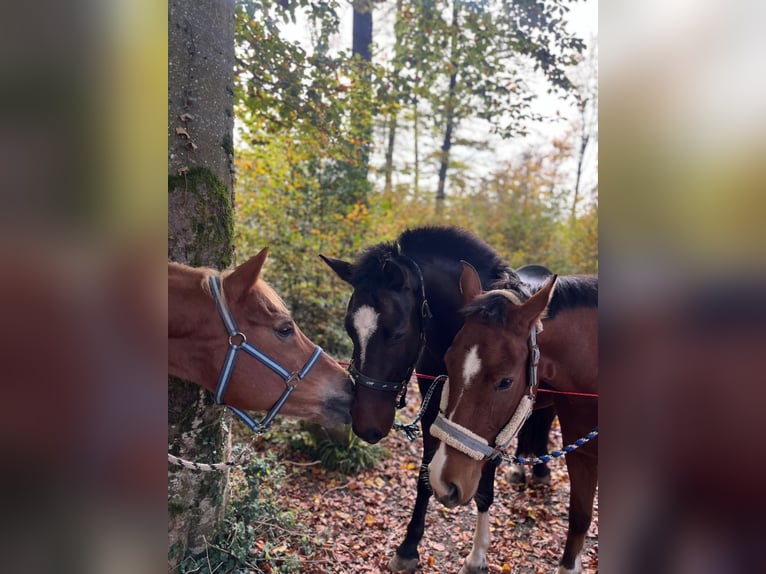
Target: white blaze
[(471, 367), (365, 322)]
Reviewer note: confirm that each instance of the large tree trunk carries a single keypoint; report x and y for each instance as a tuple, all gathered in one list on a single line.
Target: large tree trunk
[(200, 232)]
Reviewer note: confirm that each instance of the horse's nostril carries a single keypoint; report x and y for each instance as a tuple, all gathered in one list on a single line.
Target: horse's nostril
[(453, 494)]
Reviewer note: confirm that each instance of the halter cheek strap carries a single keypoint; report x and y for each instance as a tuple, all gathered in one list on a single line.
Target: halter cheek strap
[(469, 443), (238, 342)]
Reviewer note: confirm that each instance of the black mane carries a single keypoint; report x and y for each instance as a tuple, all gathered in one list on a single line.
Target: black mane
[(367, 270), (453, 243), (427, 244), (571, 292)]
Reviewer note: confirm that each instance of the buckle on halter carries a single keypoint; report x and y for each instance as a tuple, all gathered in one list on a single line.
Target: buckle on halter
[(295, 378), (425, 310)]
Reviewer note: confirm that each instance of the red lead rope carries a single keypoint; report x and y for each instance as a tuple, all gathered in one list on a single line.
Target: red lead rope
[(571, 393)]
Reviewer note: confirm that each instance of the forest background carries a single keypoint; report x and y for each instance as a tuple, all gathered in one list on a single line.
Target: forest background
[(476, 114)]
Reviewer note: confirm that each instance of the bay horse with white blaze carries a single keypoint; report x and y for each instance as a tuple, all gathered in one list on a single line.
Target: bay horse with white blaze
[(404, 312), (492, 383), (213, 316)]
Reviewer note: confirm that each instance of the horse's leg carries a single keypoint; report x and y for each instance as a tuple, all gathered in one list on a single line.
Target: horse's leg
[(583, 477), (577, 418), (533, 441), (407, 556), (476, 561), (540, 431)]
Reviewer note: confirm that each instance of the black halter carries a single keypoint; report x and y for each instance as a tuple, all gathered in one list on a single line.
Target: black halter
[(358, 378)]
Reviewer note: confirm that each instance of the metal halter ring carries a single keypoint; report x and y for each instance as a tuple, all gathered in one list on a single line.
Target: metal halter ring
[(234, 335)]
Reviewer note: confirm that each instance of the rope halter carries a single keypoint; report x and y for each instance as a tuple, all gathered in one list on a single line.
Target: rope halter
[(469, 443)]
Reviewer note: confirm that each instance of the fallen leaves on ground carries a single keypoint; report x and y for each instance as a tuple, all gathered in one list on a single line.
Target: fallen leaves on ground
[(356, 523)]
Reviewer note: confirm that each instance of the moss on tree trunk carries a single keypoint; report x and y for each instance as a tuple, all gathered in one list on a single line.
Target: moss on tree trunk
[(200, 233)]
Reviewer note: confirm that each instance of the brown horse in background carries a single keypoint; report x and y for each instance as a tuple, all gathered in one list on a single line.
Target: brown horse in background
[(200, 343), (491, 383)]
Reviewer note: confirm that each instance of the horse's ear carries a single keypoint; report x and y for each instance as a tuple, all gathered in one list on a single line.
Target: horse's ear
[(343, 269), (533, 308), (470, 284), (242, 279), (394, 275)]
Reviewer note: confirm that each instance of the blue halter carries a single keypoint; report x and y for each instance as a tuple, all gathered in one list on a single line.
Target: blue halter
[(237, 342)]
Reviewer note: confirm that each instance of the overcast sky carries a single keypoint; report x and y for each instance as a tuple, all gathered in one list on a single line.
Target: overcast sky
[(583, 19)]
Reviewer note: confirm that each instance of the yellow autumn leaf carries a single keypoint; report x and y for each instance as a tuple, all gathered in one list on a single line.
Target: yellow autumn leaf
[(369, 520)]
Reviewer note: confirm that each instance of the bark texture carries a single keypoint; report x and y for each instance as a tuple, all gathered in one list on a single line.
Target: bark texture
[(200, 233)]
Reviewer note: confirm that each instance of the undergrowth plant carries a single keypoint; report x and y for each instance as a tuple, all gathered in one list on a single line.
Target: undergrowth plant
[(256, 535), (346, 454)]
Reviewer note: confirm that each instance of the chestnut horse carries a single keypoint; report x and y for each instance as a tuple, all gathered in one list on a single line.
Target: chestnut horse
[(405, 310), (212, 316), (492, 385)]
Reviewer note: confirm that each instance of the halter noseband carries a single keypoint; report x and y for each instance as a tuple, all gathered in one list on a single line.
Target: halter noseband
[(464, 440), (358, 378), (238, 342)]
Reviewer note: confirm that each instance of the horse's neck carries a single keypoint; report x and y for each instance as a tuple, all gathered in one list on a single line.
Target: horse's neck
[(187, 302), (190, 312), (569, 342), (445, 302)]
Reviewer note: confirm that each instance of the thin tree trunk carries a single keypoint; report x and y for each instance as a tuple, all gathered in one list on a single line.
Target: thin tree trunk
[(362, 46), (417, 149), (389, 169), (450, 114), (584, 139), (362, 33), (393, 117), (200, 232)]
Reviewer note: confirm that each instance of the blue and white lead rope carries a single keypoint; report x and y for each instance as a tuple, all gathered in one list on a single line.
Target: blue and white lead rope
[(552, 455)]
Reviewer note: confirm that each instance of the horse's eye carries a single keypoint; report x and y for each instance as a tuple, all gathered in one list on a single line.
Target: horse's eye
[(285, 331), (504, 384), (397, 336)]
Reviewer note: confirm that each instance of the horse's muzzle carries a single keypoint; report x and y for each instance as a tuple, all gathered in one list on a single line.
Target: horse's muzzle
[(337, 407), (452, 497)]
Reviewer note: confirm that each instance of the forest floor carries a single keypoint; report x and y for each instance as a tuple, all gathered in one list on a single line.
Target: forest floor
[(355, 523)]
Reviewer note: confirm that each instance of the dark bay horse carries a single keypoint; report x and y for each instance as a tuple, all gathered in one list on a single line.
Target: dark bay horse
[(492, 386), (404, 312), (203, 346)]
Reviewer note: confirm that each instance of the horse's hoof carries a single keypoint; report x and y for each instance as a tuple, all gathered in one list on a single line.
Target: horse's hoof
[(516, 474), (541, 480), (576, 570), (399, 564), (473, 569)]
